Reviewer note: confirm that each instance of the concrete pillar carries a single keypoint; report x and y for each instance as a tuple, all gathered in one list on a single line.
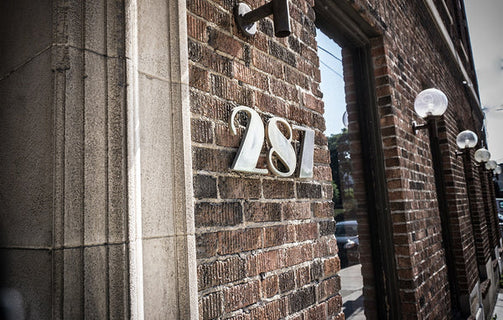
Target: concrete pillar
[(96, 193)]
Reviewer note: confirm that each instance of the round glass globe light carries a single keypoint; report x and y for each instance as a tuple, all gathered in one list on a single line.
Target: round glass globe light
[(430, 102), (482, 155), (345, 120), (491, 165), (497, 170), (466, 139)]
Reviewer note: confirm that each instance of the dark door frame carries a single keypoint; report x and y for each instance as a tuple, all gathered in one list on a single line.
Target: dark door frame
[(343, 23)]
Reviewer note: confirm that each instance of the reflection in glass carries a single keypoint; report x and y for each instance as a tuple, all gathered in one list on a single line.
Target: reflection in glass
[(345, 205)]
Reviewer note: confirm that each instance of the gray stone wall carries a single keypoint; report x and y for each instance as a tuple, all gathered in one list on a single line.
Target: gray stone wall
[(95, 206)]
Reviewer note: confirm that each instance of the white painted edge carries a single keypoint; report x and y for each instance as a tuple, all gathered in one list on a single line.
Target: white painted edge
[(134, 165), (447, 39)]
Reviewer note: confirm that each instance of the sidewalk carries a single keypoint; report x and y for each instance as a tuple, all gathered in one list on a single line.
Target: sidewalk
[(498, 309), (351, 291)]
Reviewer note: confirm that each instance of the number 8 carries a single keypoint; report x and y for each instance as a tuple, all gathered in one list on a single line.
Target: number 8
[(281, 146)]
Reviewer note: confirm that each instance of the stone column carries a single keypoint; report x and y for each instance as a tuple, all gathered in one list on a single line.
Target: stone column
[(96, 193)]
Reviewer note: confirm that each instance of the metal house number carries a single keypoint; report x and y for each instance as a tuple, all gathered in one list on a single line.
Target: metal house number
[(281, 146)]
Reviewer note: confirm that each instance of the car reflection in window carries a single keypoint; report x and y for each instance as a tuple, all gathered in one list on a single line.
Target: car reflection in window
[(346, 233)]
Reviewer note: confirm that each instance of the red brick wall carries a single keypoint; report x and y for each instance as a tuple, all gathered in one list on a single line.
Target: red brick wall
[(411, 58), (265, 244)]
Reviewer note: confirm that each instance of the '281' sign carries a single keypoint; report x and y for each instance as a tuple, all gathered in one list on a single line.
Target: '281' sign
[(281, 146)]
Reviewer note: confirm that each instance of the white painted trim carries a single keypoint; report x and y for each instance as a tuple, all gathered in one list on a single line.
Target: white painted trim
[(134, 165), (447, 39)]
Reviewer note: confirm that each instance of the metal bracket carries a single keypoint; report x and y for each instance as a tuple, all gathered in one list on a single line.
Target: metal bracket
[(246, 17), (416, 127)]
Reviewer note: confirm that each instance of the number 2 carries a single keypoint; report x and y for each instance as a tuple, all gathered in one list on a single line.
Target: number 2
[(251, 145)]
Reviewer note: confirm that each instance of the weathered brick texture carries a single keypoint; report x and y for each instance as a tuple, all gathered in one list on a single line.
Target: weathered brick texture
[(265, 245)]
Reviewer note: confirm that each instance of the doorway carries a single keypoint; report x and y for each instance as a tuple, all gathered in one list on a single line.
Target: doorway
[(360, 193), (345, 204)]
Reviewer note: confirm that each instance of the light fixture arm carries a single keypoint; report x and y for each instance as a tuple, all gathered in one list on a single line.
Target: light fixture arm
[(431, 124), (246, 18), (416, 127), (257, 14)]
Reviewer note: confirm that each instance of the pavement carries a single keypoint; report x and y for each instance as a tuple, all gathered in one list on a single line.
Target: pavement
[(498, 309), (352, 294)]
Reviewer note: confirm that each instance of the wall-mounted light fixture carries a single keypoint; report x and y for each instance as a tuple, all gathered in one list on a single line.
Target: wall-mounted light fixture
[(429, 104), (498, 170), (466, 140), (491, 165), (246, 17), (345, 120), (482, 155)]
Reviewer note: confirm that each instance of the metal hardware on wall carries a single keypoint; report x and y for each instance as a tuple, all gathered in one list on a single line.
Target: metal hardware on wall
[(280, 146), (246, 17)]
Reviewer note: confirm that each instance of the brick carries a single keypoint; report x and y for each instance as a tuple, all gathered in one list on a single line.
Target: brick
[(328, 288), (205, 186), (327, 228), (301, 299), (334, 305), (295, 77), (311, 102), (317, 270), (270, 286), (296, 210), (308, 190), (323, 209), (199, 102), (331, 266), (278, 235), (263, 262), (284, 90), (199, 78), (322, 173), (224, 42), (211, 159), (240, 296), (282, 53), (201, 131), (302, 276), (210, 13), (247, 75), (220, 272), (239, 188), (286, 281), (321, 156), (244, 316), (278, 189), (266, 102), (265, 63), (306, 231), (196, 28), (296, 255), (210, 306), (317, 312), (206, 244), (262, 211), (270, 311), (225, 138), (208, 214), (239, 240)]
